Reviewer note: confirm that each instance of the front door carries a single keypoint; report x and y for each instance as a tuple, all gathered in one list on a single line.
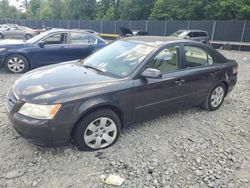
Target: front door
[(158, 96), (54, 51)]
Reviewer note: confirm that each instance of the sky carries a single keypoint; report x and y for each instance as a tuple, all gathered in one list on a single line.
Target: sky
[(14, 3)]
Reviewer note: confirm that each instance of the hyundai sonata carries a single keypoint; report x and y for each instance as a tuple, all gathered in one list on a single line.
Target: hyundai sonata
[(133, 79)]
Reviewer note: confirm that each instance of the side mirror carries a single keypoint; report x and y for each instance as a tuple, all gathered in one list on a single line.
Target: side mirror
[(151, 73), (41, 44), (187, 37)]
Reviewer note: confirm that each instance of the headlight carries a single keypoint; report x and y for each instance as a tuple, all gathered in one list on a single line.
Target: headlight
[(2, 49), (39, 111)]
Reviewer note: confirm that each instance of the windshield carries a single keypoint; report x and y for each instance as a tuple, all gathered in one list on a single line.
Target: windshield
[(178, 33), (36, 38), (119, 58)]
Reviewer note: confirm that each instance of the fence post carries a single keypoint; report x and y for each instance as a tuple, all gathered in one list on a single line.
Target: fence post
[(146, 28), (165, 29), (115, 26), (243, 33), (68, 24), (130, 24), (188, 26), (89, 24), (101, 23), (214, 26)]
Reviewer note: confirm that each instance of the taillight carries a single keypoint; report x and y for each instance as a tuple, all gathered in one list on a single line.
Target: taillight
[(236, 69)]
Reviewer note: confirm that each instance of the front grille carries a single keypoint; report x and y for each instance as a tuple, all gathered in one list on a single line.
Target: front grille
[(11, 100)]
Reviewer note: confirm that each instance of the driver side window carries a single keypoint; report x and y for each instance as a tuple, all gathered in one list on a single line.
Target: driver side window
[(166, 60), (59, 38)]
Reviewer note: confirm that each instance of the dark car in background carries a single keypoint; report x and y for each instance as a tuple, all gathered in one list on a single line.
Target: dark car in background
[(17, 32), (130, 80), (196, 35), (50, 47), (126, 32)]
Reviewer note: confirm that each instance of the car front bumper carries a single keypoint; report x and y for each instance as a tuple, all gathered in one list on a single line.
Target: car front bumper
[(39, 132)]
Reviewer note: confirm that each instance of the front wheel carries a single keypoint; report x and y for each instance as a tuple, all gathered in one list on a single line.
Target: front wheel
[(98, 130), (215, 98), (16, 64)]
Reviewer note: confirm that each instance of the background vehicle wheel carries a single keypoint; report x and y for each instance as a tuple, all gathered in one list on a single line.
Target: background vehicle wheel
[(215, 98), (1, 36), (98, 130), (28, 36), (16, 64)]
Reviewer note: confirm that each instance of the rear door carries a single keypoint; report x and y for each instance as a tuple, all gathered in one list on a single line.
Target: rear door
[(81, 45), (153, 97), (199, 72)]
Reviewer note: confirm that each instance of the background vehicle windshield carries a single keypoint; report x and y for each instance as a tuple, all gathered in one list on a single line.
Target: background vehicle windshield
[(120, 58)]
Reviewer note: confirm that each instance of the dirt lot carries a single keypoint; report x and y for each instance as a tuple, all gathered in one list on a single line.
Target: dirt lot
[(192, 148)]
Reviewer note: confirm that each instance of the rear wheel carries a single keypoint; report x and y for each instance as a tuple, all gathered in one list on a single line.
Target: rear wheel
[(215, 98), (16, 64), (28, 36), (98, 130)]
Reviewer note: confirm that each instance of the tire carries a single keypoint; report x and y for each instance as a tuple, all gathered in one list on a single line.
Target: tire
[(90, 134), (16, 64), (28, 36), (1, 36), (212, 103)]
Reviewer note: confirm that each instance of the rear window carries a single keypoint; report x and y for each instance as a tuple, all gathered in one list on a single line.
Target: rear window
[(196, 56), (197, 34)]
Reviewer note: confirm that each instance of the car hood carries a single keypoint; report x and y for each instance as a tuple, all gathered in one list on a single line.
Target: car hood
[(61, 83), (12, 44)]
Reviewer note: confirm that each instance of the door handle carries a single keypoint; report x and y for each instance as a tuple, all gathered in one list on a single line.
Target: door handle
[(179, 82)]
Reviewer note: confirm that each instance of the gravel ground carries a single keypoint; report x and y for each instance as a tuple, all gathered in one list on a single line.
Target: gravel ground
[(192, 148)]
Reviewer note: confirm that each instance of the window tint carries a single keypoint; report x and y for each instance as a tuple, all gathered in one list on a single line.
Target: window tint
[(196, 56), (59, 38), (166, 61), (80, 38)]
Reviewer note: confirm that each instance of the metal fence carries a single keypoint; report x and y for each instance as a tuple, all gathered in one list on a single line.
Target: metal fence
[(238, 31)]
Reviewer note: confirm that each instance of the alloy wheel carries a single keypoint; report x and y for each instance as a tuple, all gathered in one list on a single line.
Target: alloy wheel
[(16, 64), (100, 133), (217, 96)]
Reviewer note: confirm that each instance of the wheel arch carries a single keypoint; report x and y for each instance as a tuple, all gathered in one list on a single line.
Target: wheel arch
[(112, 107), (225, 83), (18, 53)]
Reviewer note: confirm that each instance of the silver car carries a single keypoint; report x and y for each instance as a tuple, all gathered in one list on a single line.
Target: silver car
[(15, 31), (196, 35)]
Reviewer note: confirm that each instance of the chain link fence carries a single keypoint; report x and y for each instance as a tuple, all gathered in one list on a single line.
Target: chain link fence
[(238, 31)]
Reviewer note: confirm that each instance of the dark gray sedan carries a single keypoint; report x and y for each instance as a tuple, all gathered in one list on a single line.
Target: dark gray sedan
[(134, 79)]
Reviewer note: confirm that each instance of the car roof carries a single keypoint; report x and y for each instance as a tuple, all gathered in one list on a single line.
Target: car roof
[(154, 41), (67, 30), (192, 30)]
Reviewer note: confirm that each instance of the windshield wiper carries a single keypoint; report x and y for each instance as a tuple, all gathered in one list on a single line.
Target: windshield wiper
[(93, 68)]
